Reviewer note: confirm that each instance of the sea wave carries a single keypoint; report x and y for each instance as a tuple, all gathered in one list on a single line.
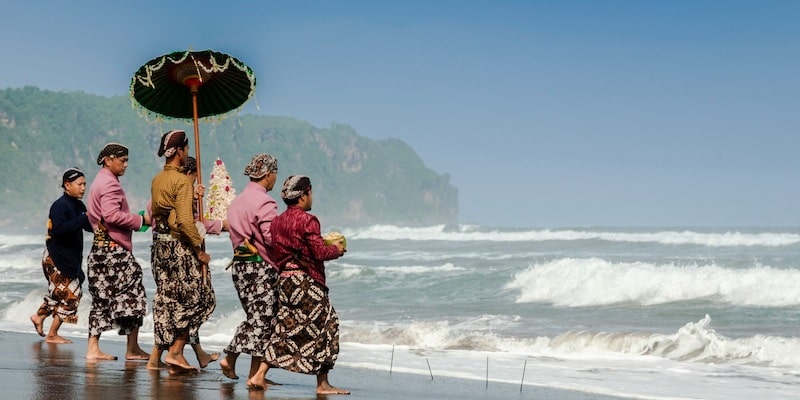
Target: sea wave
[(579, 282), (667, 237), (694, 342)]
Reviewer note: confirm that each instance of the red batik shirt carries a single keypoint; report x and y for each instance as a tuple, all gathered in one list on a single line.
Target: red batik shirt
[(296, 237)]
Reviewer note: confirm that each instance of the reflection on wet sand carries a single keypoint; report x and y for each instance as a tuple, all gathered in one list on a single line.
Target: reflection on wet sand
[(171, 386), (53, 378)]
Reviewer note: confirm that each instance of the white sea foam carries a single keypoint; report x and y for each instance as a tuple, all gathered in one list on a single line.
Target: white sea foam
[(471, 233), (694, 342), (348, 270), (577, 282), (11, 240)]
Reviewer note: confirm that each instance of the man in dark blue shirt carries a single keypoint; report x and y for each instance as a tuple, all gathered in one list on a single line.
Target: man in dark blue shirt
[(61, 262)]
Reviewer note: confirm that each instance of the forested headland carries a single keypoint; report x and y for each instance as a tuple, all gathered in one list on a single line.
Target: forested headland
[(357, 181)]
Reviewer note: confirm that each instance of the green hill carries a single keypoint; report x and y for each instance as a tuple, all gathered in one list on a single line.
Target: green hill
[(357, 181)]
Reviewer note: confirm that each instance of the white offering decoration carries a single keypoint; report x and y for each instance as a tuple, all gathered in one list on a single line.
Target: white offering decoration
[(333, 237), (220, 193)]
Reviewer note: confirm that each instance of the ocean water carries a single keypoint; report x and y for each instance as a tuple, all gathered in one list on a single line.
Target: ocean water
[(639, 313)]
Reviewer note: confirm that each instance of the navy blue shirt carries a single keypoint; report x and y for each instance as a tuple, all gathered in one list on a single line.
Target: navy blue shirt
[(64, 242)]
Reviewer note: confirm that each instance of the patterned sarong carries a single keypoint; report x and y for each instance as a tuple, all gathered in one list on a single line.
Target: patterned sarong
[(255, 284), (183, 300), (306, 327), (64, 294), (115, 283)]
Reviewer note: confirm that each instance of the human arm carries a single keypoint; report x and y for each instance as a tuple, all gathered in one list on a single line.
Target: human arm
[(68, 218), (184, 215), (265, 214), (114, 210), (316, 244)]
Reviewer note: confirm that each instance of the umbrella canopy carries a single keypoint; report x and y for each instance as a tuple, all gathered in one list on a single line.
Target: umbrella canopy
[(170, 86), (164, 85)]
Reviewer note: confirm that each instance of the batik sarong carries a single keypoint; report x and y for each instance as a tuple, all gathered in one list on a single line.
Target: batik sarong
[(64, 294), (305, 335), (255, 284), (184, 300), (115, 283)]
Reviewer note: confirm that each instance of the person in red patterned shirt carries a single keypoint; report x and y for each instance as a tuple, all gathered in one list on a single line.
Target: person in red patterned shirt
[(299, 252)]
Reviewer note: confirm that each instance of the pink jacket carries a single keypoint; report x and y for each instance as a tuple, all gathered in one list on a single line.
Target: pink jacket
[(250, 215), (107, 203)]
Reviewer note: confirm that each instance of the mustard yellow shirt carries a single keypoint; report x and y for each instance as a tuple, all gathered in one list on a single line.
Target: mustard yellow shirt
[(171, 194)]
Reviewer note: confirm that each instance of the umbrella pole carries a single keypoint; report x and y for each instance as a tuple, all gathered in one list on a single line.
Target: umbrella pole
[(197, 150), (194, 89)]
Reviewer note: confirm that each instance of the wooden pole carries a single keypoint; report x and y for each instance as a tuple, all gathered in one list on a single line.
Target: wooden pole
[(194, 87)]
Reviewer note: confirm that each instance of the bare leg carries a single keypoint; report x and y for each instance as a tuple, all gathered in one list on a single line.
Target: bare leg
[(258, 380), (204, 358), (52, 335), (93, 350), (255, 364), (175, 360), (133, 351), (325, 387), (154, 362), (228, 365), (38, 323)]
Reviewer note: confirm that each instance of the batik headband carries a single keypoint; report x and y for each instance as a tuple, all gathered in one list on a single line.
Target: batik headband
[(260, 165), (112, 150), (70, 175), (171, 142), (295, 186)]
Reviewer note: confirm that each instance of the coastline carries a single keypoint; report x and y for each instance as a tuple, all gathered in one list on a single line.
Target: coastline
[(35, 369)]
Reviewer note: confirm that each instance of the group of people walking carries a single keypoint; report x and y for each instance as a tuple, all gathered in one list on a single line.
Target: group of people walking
[(277, 268)]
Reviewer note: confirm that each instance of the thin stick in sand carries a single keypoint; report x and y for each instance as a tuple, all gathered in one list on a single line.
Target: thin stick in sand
[(429, 368)]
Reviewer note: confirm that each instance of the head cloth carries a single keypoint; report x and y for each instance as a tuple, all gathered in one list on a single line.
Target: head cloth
[(112, 150), (171, 142), (295, 186), (70, 175), (260, 165)]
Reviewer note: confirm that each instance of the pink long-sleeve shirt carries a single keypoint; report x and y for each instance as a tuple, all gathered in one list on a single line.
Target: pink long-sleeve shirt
[(107, 203), (250, 215)]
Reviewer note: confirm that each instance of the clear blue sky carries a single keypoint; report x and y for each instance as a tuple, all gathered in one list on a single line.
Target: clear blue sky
[(544, 113)]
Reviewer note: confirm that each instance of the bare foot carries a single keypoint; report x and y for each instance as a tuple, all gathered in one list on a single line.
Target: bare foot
[(137, 354), (227, 369), (99, 356), (38, 324), (178, 365), (328, 389), (179, 369), (256, 383), (156, 366), (204, 358), (57, 339), (271, 383)]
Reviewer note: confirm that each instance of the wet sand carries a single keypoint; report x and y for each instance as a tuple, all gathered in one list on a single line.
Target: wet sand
[(33, 369)]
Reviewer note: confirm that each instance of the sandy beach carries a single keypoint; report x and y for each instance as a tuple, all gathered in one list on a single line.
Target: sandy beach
[(33, 369)]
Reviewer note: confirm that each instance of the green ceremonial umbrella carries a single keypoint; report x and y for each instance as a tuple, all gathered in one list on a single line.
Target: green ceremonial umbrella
[(193, 85)]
